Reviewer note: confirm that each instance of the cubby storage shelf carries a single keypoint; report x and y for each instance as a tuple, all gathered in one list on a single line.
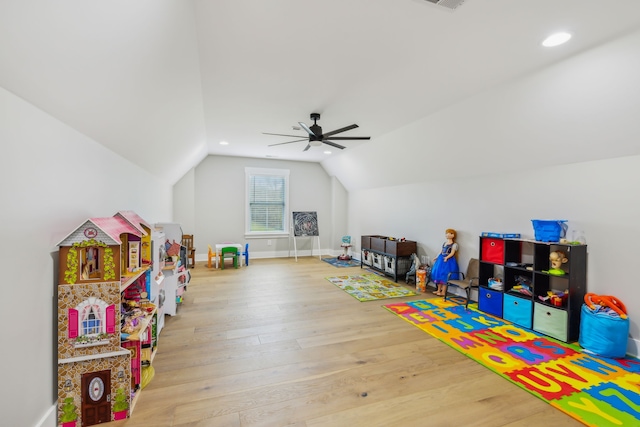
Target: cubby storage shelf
[(523, 266), (391, 257)]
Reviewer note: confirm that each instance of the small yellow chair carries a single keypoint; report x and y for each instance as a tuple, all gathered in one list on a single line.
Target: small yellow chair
[(210, 255), (229, 252)]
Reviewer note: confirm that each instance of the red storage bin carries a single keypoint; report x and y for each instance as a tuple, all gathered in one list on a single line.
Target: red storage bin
[(493, 250)]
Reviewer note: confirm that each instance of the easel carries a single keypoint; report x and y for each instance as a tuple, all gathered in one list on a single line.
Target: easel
[(295, 246)]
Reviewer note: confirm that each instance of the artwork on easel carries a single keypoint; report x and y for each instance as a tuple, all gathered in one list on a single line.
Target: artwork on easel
[(305, 224)]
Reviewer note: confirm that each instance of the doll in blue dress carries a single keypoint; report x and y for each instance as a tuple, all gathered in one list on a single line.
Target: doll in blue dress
[(445, 262)]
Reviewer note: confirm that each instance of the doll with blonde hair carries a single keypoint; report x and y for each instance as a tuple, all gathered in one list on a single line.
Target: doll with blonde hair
[(445, 262)]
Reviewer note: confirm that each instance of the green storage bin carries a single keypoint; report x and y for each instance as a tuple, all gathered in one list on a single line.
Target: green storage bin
[(550, 321)]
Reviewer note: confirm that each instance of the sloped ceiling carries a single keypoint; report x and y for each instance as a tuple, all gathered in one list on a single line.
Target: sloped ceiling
[(163, 82)]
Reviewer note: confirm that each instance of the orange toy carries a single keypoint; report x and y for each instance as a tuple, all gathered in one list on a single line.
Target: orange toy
[(606, 301)]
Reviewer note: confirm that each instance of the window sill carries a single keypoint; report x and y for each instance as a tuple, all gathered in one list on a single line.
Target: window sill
[(266, 235)]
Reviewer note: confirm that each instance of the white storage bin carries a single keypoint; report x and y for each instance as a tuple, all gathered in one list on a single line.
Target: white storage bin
[(377, 260), (366, 257), (389, 264)]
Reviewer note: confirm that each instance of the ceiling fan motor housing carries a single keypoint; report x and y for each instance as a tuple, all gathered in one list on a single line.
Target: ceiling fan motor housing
[(317, 130)]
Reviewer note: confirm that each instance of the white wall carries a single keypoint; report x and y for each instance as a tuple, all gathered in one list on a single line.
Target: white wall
[(339, 214), (52, 178), (599, 198), (183, 202), (582, 109), (220, 199), (560, 143)]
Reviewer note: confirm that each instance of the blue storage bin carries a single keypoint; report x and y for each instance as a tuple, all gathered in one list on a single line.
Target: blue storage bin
[(603, 334), (518, 310), (546, 230), (490, 301)]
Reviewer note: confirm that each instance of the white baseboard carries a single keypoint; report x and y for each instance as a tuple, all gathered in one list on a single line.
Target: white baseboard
[(280, 254), (48, 419)]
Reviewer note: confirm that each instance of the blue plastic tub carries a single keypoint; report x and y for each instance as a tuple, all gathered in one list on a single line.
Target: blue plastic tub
[(549, 230)]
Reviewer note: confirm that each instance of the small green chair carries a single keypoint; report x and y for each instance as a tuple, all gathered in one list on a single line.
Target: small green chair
[(228, 253)]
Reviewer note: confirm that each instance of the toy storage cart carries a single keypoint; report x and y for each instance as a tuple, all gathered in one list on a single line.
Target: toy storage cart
[(389, 256)]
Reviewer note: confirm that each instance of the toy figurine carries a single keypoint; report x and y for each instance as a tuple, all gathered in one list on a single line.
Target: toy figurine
[(445, 262), (556, 259)]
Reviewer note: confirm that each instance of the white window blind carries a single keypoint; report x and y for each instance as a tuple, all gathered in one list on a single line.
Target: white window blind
[(267, 201)]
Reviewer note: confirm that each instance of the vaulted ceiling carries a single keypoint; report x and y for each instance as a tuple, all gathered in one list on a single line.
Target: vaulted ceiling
[(163, 82)]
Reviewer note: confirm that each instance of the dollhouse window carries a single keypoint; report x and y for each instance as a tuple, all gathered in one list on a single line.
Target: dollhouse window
[(91, 322), (90, 265)]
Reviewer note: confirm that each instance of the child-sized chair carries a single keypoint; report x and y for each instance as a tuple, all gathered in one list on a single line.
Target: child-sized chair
[(244, 254), (229, 252), (465, 281), (210, 255), (187, 242)]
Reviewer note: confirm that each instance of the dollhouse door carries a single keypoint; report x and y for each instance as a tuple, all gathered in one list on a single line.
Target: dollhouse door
[(96, 398)]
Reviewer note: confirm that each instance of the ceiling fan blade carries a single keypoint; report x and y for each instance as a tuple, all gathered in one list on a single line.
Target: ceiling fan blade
[(346, 138), (333, 144), (280, 134), (289, 142), (306, 128), (344, 129), (307, 147)]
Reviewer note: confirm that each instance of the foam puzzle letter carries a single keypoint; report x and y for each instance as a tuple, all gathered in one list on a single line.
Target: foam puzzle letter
[(589, 406)]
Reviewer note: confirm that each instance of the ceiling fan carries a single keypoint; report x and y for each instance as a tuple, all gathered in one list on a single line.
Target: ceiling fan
[(317, 138)]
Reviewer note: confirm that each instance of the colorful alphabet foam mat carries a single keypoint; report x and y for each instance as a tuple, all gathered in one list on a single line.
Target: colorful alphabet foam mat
[(596, 391), (369, 287)]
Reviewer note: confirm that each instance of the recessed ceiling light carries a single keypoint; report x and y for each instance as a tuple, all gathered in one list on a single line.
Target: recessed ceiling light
[(224, 143), (556, 39), (327, 152)]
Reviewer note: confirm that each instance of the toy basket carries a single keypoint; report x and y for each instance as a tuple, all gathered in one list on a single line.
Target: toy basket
[(604, 326), (549, 230), (603, 335)]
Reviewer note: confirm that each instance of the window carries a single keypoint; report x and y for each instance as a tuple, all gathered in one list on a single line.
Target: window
[(267, 195), (90, 268), (91, 323)]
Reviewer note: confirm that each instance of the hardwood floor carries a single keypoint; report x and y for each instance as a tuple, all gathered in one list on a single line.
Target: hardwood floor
[(275, 344)]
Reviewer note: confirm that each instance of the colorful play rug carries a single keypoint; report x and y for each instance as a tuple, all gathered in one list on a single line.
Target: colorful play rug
[(342, 263), (596, 391), (369, 287)]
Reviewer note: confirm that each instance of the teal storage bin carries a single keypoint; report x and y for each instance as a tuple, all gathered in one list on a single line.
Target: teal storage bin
[(603, 334), (518, 310), (546, 230)]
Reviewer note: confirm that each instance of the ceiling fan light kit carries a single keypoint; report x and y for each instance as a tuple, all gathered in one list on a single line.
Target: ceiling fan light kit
[(317, 138)]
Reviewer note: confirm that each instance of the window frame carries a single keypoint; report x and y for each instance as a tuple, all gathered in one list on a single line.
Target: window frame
[(284, 174)]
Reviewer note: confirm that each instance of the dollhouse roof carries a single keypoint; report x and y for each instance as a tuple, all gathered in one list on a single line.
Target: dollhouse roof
[(106, 230), (135, 220)]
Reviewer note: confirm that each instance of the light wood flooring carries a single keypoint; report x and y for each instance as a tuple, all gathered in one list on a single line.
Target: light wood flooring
[(275, 344)]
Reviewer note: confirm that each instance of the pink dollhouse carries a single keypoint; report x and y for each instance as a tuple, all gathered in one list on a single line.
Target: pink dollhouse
[(98, 261)]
